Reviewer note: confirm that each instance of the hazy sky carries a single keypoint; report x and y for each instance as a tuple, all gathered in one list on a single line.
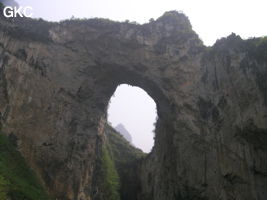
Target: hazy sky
[(211, 19), (136, 110)]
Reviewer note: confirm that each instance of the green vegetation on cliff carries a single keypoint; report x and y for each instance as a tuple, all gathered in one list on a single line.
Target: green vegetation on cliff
[(111, 177), (123, 152), (17, 180), (117, 165), (262, 40), (126, 159)]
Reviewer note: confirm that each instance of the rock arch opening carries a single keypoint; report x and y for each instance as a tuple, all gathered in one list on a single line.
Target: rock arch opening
[(133, 113)]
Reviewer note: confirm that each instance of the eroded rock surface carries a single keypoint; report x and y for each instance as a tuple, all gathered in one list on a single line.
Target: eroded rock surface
[(56, 80)]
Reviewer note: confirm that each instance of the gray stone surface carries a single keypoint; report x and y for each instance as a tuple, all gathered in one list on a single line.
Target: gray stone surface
[(56, 80)]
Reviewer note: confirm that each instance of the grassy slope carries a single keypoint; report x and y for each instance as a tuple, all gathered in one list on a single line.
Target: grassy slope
[(123, 152), (125, 158), (111, 180), (17, 180)]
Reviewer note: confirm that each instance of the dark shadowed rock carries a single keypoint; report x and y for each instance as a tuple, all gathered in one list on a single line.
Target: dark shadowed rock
[(11, 3)]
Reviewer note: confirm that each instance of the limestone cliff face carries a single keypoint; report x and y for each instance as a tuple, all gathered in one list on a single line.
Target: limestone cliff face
[(56, 80)]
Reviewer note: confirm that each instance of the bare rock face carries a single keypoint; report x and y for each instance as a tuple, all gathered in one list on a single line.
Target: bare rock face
[(9, 3), (123, 131), (56, 80)]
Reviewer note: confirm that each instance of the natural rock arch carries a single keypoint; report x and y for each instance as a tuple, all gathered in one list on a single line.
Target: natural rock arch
[(57, 78)]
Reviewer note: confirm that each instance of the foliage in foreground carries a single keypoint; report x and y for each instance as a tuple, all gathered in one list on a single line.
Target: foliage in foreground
[(17, 180)]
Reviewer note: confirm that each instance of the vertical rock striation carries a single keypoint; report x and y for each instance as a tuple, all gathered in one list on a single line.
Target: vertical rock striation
[(56, 80)]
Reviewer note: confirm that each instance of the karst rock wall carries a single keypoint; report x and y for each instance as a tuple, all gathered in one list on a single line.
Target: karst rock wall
[(56, 80)]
